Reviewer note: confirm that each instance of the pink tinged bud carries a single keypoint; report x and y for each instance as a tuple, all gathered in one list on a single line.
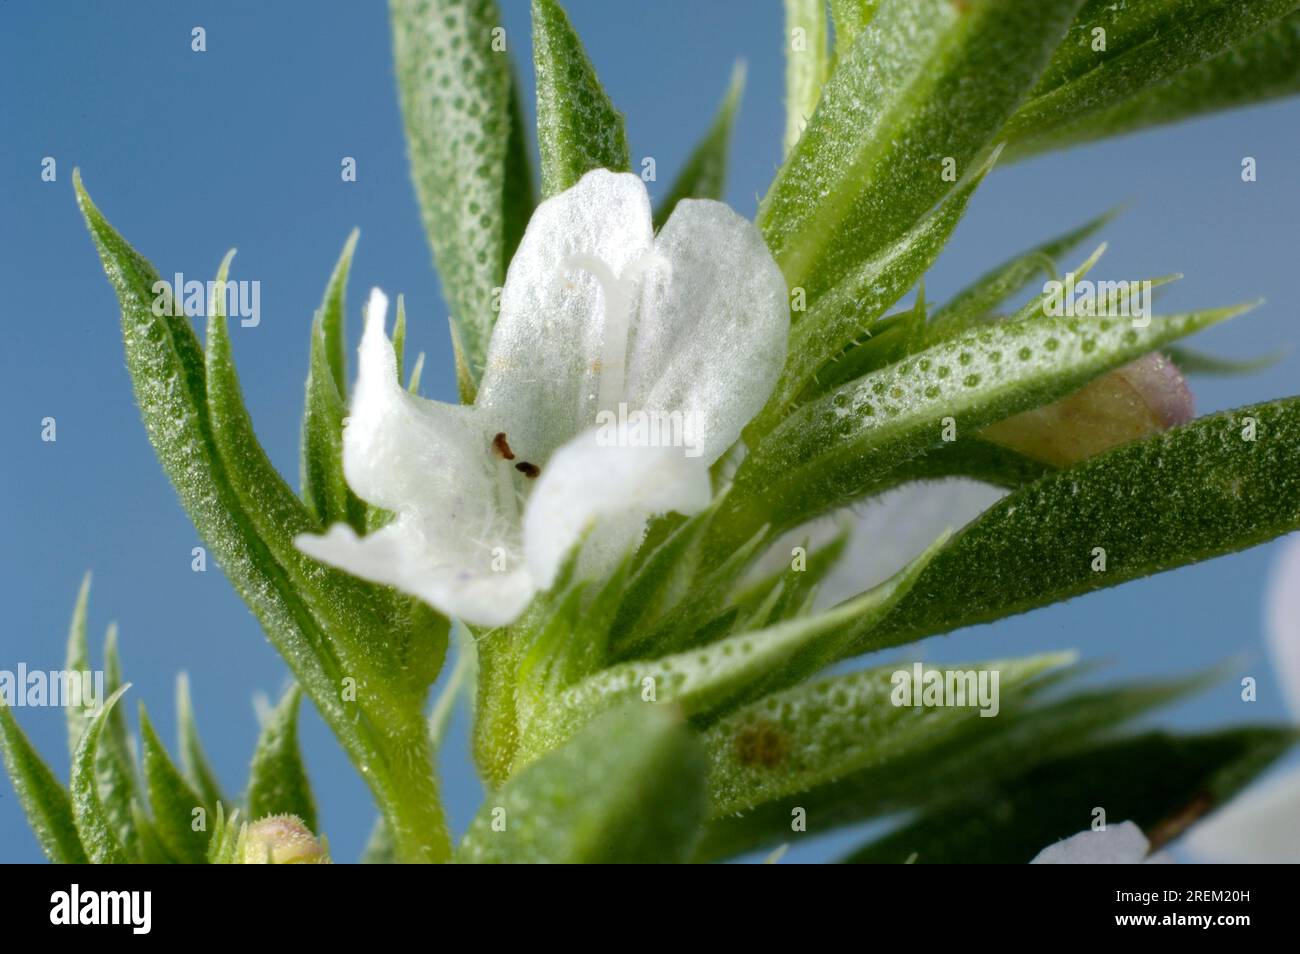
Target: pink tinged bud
[(281, 840), (1140, 399)]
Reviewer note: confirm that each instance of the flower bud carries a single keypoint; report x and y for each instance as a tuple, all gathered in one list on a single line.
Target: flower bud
[(1140, 399), (281, 840)]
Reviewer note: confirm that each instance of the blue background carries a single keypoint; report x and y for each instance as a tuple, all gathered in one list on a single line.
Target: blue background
[(189, 154)]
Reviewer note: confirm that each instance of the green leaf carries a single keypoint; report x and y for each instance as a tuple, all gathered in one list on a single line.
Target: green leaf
[(194, 762), (77, 660), (705, 174), (96, 827), (849, 17), (358, 616), (578, 128), (44, 800), (115, 762), (871, 162), (170, 381), (807, 63), (931, 768), (703, 682), (1190, 361), (1036, 546), (1145, 44), (846, 313), (810, 735), (520, 192), (629, 789), (1263, 67), (463, 147), (839, 447), (172, 800), (227, 844), (324, 488), (1161, 782), (277, 779), (979, 299)]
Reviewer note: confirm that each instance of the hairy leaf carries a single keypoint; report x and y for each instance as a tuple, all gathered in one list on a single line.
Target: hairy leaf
[(629, 788), (840, 446), (44, 800), (277, 779), (899, 121), (1220, 484), (456, 92), (172, 800), (1145, 43), (1162, 782), (96, 828), (807, 63), (578, 128)]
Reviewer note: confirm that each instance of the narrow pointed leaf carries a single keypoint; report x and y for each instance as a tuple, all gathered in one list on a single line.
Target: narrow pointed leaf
[(1220, 484), (979, 299), (1145, 43), (629, 788), (321, 461), (1161, 782), (934, 767), (170, 382), (96, 828), (812, 734), (1262, 67), (807, 63), (706, 681), (847, 312), (277, 779), (44, 800), (77, 660), (357, 615), (835, 449), (705, 174), (194, 762), (1191, 361), (901, 102), (455, 95), (578, 128), (172, 800)]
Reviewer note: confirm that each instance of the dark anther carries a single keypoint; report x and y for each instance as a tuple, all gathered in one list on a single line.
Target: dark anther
[(528, 470), (501, 447)]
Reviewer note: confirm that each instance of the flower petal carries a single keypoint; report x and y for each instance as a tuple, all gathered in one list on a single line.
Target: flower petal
[(404, 555), (611, 478), (406, 453), (1260, 826), (713, 326), (450, 544), (1122, 844), (543, 364)]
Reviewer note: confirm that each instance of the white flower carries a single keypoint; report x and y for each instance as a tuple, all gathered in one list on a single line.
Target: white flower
[(597, 312), (1263, 825), (1122, 844)]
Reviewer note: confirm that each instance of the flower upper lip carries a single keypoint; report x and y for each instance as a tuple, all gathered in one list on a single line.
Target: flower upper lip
[(596, 311)]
